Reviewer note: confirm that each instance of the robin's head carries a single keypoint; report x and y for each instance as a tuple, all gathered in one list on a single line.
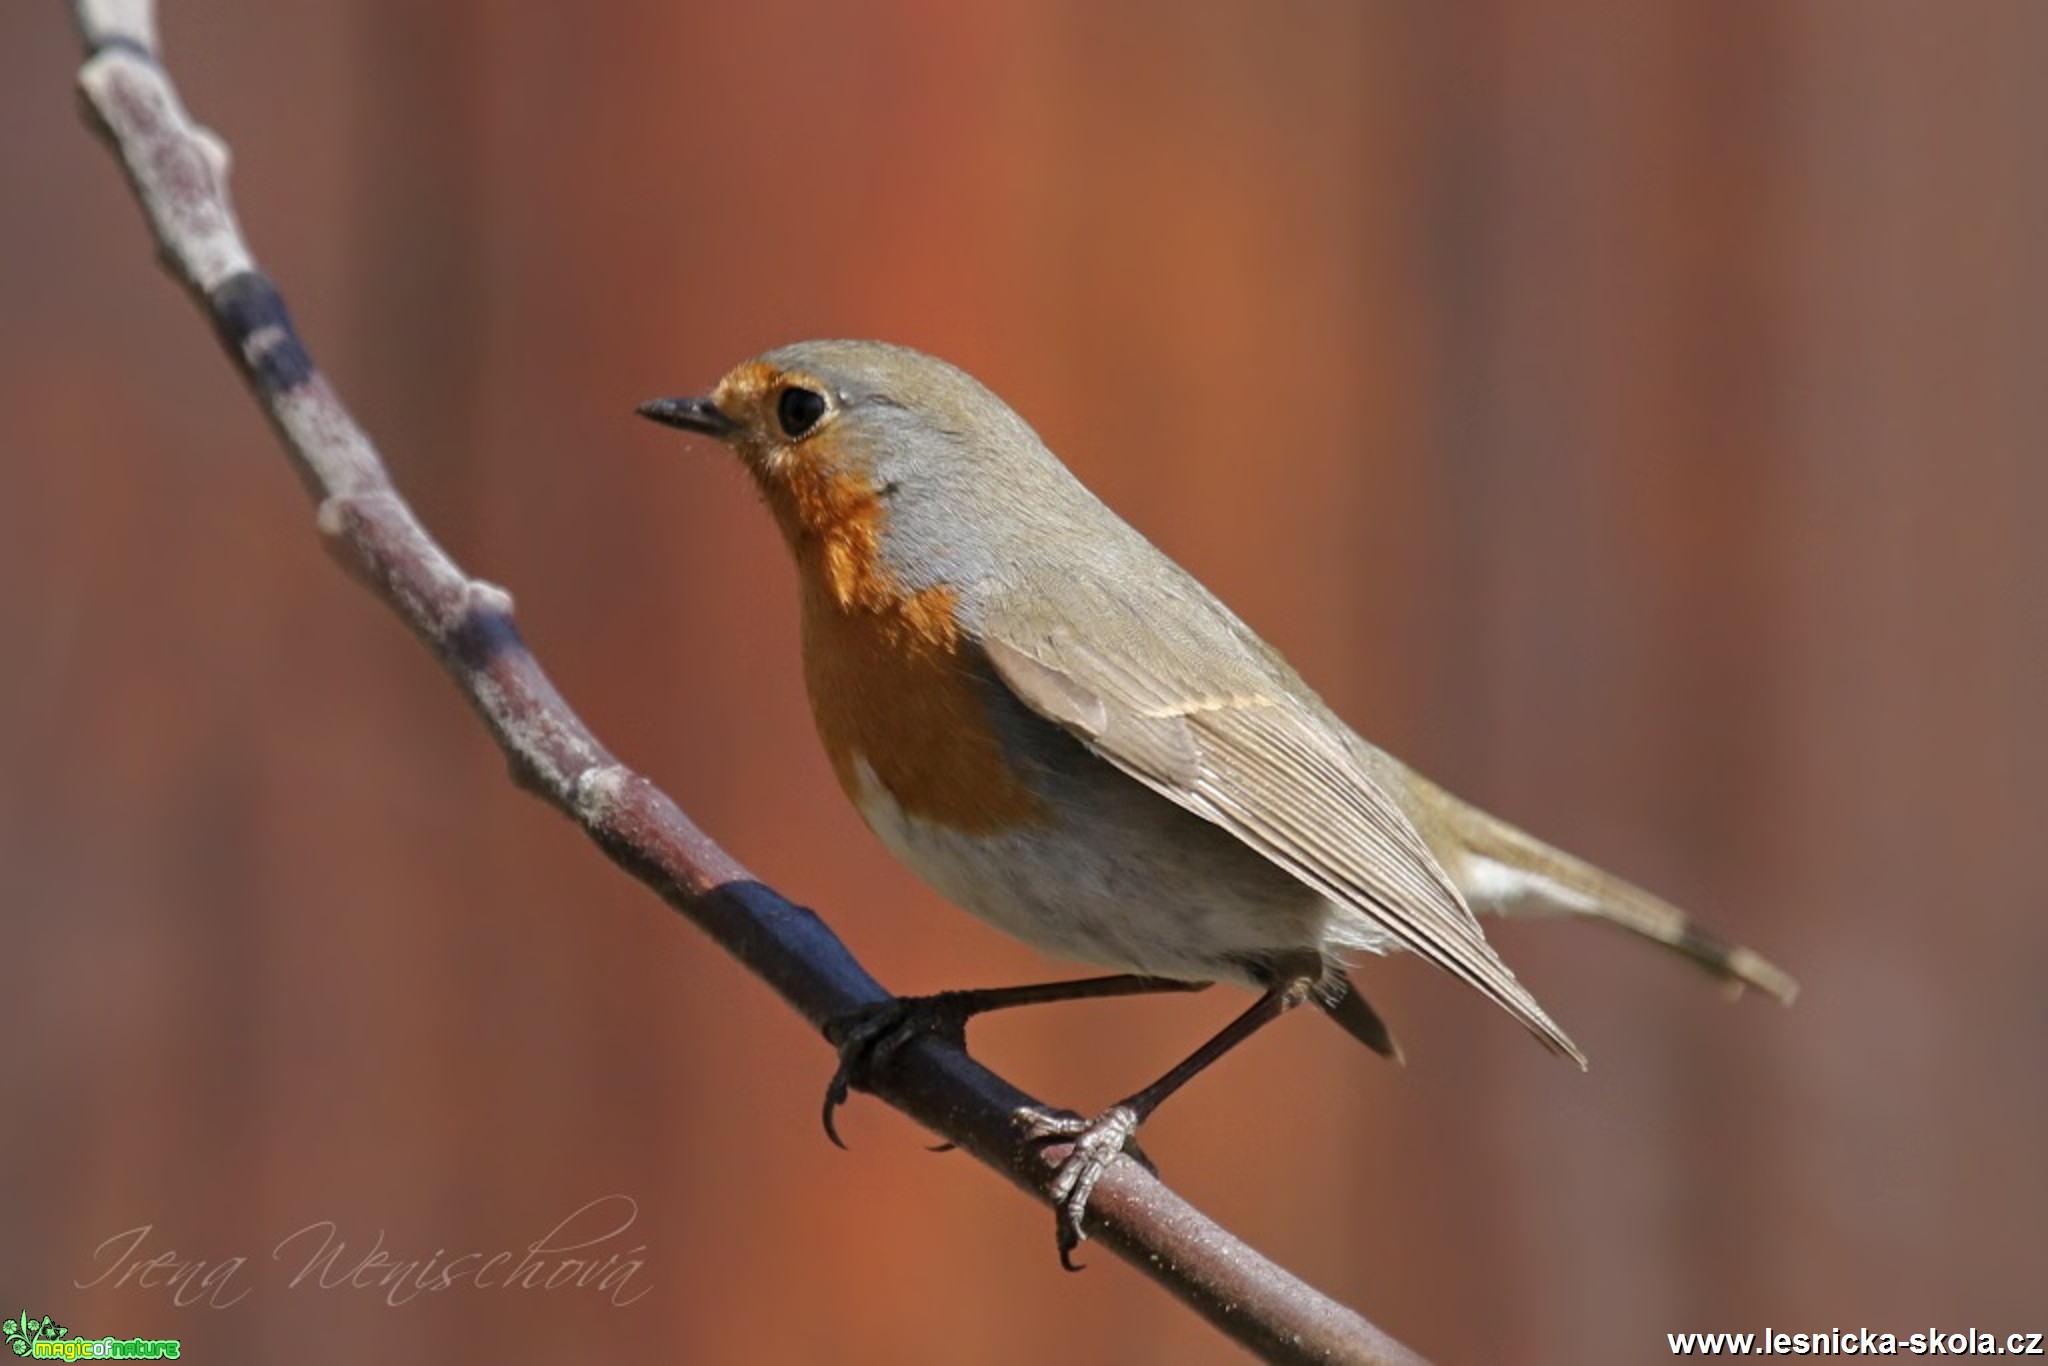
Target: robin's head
[(859, 443)]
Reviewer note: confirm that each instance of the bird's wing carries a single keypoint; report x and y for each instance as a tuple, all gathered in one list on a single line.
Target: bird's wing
[(1206, 716)]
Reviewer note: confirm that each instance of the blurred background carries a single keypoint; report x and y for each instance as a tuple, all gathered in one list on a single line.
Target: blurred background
[(1632, 416)]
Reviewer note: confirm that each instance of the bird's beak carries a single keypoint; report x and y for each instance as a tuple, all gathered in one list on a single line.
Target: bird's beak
[(691, 414)]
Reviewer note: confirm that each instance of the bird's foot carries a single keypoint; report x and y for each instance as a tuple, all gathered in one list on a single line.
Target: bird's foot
[(869, 1036), (1097, 1142)]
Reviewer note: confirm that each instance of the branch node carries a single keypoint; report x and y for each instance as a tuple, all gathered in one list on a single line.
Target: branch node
[(178, 169), (332, 518), (485, 596), (599, 792)]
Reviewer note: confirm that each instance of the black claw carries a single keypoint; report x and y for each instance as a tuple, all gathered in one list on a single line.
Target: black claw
[(869, 1036), (836, 1092), (855, 1035)]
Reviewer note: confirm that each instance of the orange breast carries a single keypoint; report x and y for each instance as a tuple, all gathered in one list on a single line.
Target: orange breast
[(893, 688), (891, 680)]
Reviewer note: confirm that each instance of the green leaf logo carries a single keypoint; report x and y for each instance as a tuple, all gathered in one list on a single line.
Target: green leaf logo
[(23, 1330)]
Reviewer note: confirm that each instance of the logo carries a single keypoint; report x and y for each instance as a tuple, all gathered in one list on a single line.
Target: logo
[(47, 1340), (24, 1332)]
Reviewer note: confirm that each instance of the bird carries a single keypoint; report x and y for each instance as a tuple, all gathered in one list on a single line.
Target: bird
[(1064, 733)]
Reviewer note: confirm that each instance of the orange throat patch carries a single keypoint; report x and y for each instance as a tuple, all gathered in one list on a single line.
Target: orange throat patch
[(893, 684)]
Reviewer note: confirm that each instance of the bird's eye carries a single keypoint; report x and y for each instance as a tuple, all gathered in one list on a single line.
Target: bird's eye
[(798, 410)]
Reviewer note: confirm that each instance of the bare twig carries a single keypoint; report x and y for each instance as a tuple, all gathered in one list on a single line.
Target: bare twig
[(179, 175)]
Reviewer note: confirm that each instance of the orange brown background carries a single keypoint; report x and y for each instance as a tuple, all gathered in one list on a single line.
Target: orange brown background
[(1632, 415)]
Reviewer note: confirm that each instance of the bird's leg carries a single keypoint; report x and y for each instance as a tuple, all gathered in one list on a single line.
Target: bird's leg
[(1097, 1141), (867, 1037)]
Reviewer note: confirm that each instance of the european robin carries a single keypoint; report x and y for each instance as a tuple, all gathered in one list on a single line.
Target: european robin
[(1063, 732)]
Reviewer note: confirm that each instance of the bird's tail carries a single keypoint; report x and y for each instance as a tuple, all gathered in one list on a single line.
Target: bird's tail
[(1505, 871)]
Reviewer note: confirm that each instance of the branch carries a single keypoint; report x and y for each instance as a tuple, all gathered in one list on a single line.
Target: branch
[(179, 174)]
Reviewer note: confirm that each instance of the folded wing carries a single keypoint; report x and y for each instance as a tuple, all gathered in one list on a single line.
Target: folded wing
[(1220, 726)]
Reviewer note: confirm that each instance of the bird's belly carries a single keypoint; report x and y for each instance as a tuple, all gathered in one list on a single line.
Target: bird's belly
[(1118, 877)]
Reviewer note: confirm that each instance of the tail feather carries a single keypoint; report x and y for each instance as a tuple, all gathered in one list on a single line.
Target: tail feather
[(1506, 871)]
